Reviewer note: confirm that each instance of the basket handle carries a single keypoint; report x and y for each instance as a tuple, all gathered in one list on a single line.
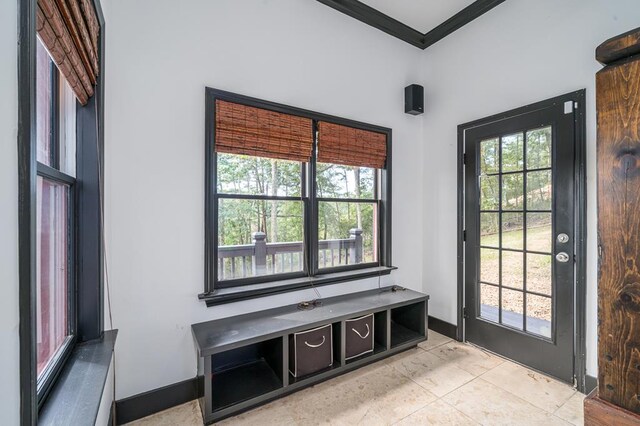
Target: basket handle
[(361, 336), (315, 346)]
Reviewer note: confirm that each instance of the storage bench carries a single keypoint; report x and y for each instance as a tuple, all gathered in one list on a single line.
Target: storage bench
[(250, 359)]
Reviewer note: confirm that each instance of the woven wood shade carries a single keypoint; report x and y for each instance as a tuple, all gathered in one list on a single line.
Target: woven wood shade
[(69, 29), (351, 147), (242, 129)]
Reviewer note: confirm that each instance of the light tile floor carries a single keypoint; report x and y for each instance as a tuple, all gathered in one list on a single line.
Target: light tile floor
[(442, 382)]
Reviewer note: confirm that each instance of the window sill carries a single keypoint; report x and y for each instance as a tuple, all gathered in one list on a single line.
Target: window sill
[(76, 395), (235, 294)]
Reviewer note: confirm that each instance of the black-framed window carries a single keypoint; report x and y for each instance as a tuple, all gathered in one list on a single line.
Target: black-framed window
[(272, 220), (55, 302)]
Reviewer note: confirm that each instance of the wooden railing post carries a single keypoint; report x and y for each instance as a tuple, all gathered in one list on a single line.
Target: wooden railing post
[(260, 254), (355, 252)]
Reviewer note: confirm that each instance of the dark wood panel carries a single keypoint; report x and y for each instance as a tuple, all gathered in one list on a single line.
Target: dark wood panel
[(619, 47), (600, 413), (618, 104)]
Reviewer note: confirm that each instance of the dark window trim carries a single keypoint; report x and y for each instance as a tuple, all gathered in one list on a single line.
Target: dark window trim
[(88, 210), (289, 281)]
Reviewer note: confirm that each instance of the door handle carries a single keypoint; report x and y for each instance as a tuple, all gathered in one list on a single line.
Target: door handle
[(562, 257)]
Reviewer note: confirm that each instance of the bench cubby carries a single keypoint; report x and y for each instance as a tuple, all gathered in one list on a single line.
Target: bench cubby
[(406, 324), (245, 359)]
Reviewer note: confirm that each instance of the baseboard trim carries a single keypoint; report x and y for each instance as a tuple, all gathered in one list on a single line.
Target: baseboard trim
[(590, 383), (443, 327), (142, 405)]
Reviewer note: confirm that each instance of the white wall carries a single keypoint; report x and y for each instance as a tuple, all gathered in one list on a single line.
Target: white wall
[(519, 53), (9, 350), (295, 52)]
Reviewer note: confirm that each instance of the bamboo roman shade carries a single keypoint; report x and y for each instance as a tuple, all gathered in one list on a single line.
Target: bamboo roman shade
[(241, 129), (69, 29), (351, 147)]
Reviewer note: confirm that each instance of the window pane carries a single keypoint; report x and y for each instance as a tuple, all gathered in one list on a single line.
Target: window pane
[(490, 266), (539, 232), (347, 233), (513, 269), (512, 192), (258, 237), (43, 104), (489, 229), (67, 128), (243, 174), (539, 190), (539, 315), (489, 300), (512, 235), (337, 181), (489, 192), (512, 153), (52, 267), (539, 148), (513, 308), (489, 154), (539, 273)]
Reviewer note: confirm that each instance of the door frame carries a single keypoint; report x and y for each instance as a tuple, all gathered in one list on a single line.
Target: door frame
[(580, 182)]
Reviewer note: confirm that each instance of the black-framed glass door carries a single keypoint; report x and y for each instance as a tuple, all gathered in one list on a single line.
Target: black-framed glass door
[(519, 250)]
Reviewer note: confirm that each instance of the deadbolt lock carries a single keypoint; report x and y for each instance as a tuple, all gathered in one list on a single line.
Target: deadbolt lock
[(562, 257), (563, 238)]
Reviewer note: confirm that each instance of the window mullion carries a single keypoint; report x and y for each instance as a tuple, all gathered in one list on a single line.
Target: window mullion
[(312, 224)]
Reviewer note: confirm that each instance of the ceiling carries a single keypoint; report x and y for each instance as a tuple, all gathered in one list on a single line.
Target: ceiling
[(421, 15), (420, 23)]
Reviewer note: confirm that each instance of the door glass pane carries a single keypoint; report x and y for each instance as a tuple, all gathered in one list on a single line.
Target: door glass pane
[(512, 308), (539, 232), (513, 191), (512, 153), (489, 302), (512, 269), (490, 266), (512, 235), (52, 269), (259, 237), (489, 155), (489, 229), (539, 148), (539, 273), (539, 315), (539, 190), (514, 239), (346, 233), (489, 192)]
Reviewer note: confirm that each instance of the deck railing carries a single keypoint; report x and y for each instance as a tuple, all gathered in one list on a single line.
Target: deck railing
[(263, 258)]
